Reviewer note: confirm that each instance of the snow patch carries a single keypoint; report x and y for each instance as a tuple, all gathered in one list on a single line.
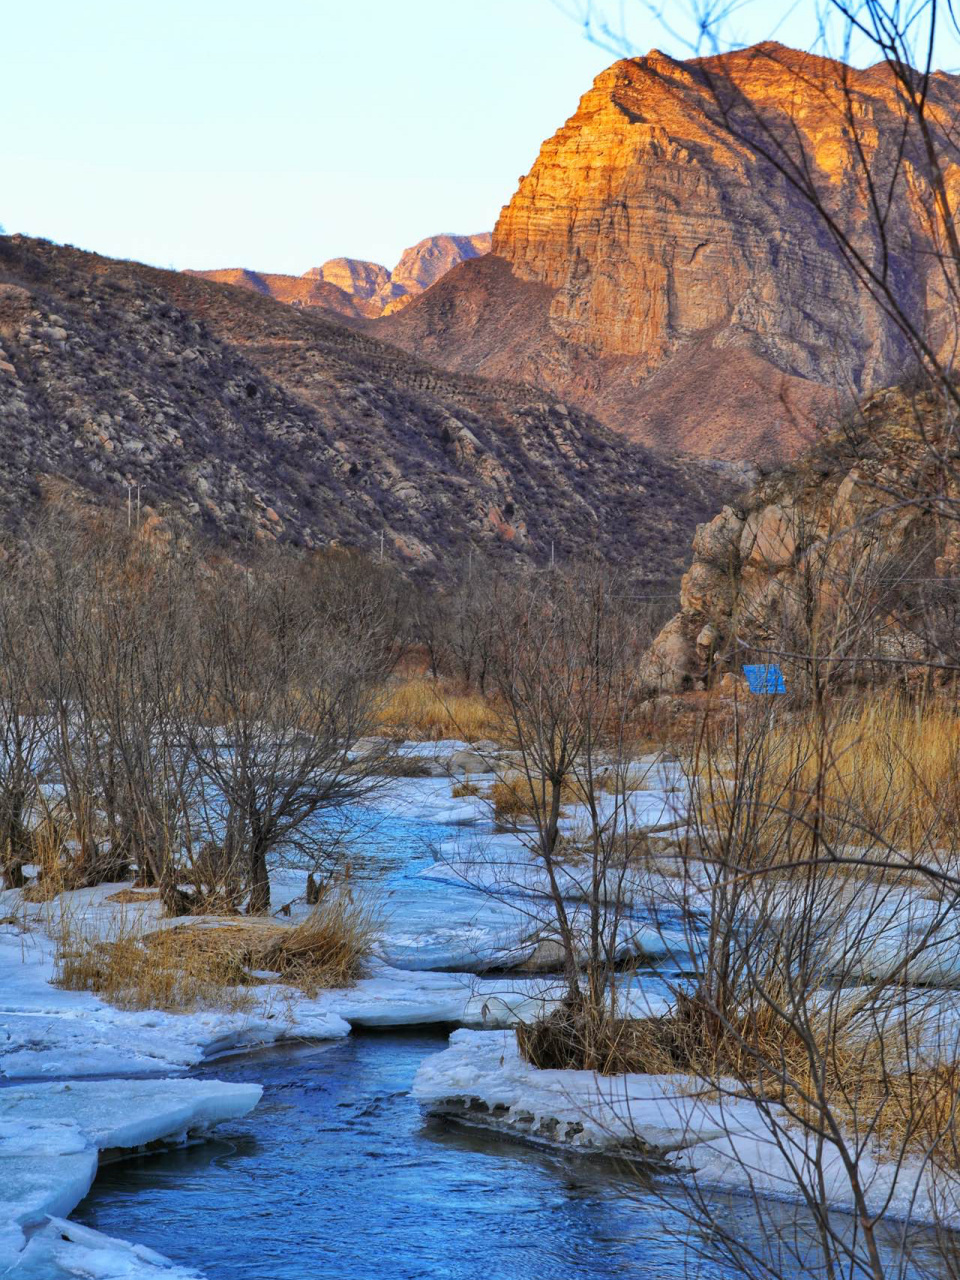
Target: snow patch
[(482, 1080)]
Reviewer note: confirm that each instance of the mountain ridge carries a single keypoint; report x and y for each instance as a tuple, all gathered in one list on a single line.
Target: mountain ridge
[(250, 420), (355, 287)]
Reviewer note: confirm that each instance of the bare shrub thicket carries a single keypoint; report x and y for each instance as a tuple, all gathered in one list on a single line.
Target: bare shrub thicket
[(561, 657), (819, 877), (178, 720)]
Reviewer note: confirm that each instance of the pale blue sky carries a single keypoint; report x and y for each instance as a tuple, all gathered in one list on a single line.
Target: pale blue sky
[(215, 133)]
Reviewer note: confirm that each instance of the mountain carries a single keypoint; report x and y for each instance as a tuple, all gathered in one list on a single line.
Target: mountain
[(655, 269), (247, 419), (310, 290), (425, 263), (355, 288)]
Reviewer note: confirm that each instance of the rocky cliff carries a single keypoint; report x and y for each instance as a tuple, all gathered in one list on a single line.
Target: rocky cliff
[(248, 419), (356, 288), (851, 552), (660, 271), (426, 262)]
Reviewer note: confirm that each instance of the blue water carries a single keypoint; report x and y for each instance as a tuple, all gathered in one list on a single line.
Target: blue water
[(337, 1175)]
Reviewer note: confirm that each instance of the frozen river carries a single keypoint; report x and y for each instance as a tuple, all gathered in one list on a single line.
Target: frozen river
[(337, 1173)]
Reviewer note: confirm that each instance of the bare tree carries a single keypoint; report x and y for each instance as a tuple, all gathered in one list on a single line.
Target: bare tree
[(561, 657), (286, 678), (23, 728)]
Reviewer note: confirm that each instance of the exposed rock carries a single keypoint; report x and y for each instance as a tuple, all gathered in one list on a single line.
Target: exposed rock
[(424, 264), (353, 287), (655, 269), (310, 290), (769, 537), (848, 552), (361, 280)]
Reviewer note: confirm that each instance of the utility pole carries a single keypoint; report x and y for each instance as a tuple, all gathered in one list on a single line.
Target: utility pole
[(128, 507), (381, 546)]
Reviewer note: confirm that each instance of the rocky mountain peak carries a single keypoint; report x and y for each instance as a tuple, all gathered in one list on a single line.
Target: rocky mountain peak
[(357, 288), (674, 281)]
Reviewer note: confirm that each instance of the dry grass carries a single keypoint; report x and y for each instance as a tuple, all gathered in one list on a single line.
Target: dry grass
[(879, 767), (585, 1040), (517, 797), (213, 966), (465, 790), (425, 709), (133, 895), (327, 949), (513, 799), (895, 766), (136, 971)]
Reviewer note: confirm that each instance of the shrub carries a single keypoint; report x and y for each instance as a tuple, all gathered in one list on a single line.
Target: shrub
[(584, 1040), (327, 949), (213, 965), (516, 796), (465, 790)]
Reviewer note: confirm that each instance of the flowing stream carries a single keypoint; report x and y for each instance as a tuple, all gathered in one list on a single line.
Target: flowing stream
[(338, 1174)]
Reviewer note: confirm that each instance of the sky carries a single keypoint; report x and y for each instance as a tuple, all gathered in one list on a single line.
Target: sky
[(224, 133)]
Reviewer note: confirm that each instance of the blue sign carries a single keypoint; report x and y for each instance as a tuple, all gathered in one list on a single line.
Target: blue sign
[(765, 678)]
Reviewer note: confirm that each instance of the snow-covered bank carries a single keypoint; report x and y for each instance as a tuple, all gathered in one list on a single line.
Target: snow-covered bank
[(51, 1139), (481, 1080), (45, 1031), (63, 1249)]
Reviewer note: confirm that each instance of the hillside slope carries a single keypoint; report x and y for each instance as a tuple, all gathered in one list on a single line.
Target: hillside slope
[(252, 419)]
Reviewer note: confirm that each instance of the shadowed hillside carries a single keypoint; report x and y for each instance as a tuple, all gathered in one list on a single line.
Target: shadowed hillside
[(255, 420)]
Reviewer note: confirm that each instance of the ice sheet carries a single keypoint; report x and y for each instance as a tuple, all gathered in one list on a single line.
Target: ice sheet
[(51, 1135), (482, 1080)]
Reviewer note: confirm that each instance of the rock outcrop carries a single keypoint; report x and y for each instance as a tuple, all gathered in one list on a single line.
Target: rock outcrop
[(665, 275), (251, 420), (313, 289), (426, 262), (852, 552), (356, 288)]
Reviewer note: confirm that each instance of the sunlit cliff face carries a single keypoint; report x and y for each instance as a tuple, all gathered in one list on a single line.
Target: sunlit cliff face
[(654, 221), (672, 245)]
